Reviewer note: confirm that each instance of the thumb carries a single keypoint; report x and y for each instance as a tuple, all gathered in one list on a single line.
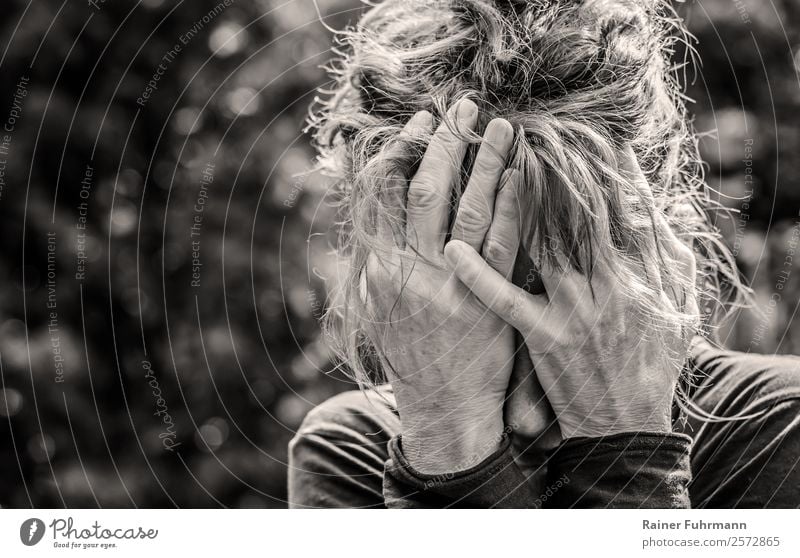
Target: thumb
[(502, 297)]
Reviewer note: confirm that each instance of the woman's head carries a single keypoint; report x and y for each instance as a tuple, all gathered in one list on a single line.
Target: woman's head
[(579, 81)]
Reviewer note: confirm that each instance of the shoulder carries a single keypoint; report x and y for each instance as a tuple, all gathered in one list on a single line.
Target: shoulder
[(353, 416), (772, 377)]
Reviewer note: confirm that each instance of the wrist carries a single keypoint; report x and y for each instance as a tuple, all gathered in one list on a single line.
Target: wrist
[(452, 444), (588, 429)]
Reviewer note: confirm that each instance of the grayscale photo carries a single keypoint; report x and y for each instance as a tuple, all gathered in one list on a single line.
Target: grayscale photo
[(530, 254)]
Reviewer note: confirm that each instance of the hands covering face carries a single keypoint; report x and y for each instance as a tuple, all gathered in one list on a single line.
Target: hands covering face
[(445, 315)]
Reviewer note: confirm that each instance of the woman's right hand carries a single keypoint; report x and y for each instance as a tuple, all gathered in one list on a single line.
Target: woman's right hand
[(601, 375)]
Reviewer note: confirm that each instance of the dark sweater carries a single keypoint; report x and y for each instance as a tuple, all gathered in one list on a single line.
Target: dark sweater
[(348, 453)]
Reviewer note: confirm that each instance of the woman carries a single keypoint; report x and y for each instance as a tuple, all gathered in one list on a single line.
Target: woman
[(532, 277)]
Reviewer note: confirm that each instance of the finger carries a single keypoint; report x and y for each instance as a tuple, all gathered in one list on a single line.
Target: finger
[(680, 252), (375, 282), (391, 221), (685, 297), (475, 207), (509, 302), (562, 283), (677, 249), (391, 217), (502, 240), (630, 165), (430, 190)]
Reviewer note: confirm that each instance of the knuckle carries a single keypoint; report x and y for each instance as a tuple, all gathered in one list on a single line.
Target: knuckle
[(441, 148), (472, 216), (506, 208), (564, 338), (509, 305), (495, 250), (422, 195)]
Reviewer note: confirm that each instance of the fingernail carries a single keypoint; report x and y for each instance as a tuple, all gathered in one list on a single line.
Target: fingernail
[(421, 118), (498, 131), (466, 109), (420, 122)]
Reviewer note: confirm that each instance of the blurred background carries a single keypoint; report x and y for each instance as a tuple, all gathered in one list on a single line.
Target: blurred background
[(163, 248)]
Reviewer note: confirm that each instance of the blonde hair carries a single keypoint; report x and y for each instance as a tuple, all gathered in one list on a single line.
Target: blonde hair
[(578, 80)]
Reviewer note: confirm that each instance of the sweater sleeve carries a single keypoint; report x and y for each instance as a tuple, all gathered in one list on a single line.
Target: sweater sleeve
[(497, 482), (629, 470)]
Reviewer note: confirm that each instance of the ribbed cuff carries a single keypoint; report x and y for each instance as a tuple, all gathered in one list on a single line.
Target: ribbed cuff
[(628, 470), (495, 482)]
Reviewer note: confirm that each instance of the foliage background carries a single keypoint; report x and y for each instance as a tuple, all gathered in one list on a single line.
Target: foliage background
[(238, 360)]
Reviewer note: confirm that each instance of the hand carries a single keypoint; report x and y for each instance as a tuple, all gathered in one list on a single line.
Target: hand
[(449, 358), (600, 373)]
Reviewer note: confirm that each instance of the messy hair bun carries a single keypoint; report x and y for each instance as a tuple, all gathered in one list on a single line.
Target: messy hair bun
[(578, 80)]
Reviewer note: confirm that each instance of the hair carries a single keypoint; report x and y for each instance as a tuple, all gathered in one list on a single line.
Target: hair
[(578, 80)]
